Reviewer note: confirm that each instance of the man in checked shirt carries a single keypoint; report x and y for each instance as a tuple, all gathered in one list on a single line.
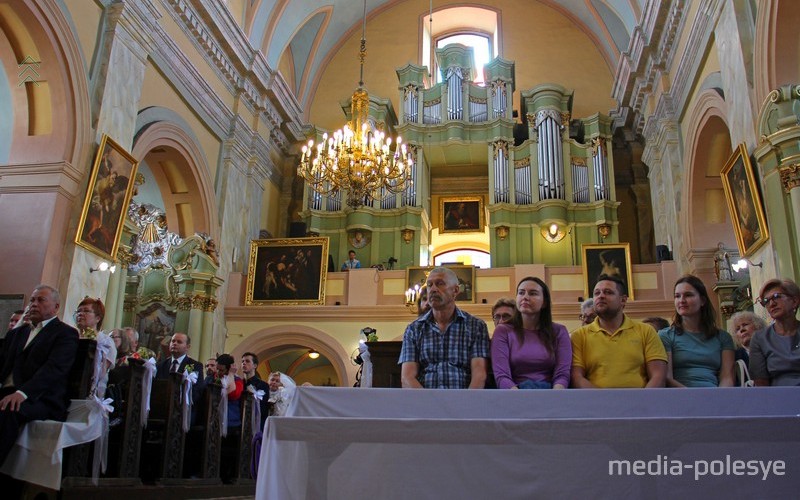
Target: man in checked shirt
[(445, 348)]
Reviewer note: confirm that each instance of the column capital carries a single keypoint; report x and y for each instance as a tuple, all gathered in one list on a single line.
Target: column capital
[(790, 176)]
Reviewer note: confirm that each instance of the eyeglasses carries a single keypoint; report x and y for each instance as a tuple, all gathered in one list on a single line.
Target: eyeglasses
[(764, 301), (587, 316), (84, 311), (502, 317), (115, 337)]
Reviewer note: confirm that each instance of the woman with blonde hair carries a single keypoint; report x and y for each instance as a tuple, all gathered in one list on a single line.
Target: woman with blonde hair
[(745, 325), (775, 350)]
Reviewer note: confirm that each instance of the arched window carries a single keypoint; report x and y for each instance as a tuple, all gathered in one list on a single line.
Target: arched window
[(464, 256), (481, 49), (476, 27)]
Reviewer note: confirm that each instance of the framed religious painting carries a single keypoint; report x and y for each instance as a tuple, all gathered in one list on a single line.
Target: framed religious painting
[(461, 214), (108, 195), (287, 271), (466, 279), (744, 202), (613, 260)]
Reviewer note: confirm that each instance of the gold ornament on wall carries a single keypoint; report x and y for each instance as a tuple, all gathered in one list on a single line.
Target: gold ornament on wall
[(407, 234), (501, 232), (604, 230)]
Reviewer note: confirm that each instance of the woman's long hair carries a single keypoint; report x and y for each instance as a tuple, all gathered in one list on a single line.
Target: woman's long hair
[(546, 333), (708, 321)]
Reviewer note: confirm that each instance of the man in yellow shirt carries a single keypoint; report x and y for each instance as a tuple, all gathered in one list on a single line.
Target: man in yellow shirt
[(614, 350)]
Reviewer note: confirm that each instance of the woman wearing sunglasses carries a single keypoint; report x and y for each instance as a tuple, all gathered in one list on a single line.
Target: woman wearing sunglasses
[(775, 351)]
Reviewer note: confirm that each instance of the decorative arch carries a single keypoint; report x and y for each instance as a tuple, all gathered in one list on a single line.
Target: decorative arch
[(186, 180), (776, 46), (50, 99), (303, 47), (705, 219), (276, 337)]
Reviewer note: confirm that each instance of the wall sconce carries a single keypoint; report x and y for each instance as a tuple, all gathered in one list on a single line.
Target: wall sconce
[(553, 233), (408, 235), (604, 230), (744, 264), (501, 232), (313, 354), (103, 267)]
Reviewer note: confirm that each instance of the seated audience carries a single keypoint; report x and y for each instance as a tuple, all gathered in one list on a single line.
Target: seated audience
[(587, 312), (211, 370), (503, 311), (178, 362), (745, 325), (447, 347), (775, 350), (89, 318), (657, 322), (699, 354), (34, 382), (422, 301), (614, 350), (531, 352), (122, 344), (15, 318), (281, 392)]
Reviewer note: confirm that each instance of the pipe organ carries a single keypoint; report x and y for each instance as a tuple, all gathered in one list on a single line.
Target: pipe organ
[(536, 174)]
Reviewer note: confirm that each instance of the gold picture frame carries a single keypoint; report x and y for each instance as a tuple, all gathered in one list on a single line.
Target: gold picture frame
[(107, 199), (463, 214), (612, 259), (744, 202), (417, 275), (287, 271)]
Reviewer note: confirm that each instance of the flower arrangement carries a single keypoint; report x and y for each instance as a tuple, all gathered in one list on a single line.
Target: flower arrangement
[(143, 353), (89, 333)]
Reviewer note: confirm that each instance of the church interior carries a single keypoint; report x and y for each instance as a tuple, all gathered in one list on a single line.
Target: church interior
[(539, 135)]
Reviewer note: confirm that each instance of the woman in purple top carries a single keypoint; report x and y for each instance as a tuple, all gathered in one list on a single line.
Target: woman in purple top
[(532, 352)]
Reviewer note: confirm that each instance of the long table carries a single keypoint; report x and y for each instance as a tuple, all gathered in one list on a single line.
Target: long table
[(391, 443)]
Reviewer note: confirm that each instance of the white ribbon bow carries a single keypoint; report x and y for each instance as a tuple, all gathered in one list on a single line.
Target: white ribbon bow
[(255, 415), (104, 344), (189, 379), (147, 386), (103, 407), (223, 409)]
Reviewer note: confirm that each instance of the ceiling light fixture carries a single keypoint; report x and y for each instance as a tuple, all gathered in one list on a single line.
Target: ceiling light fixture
[(357, 159)]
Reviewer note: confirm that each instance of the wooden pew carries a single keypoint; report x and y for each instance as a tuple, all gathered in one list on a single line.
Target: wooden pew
[(246, 443), (163, 445), (77, 459), (125, 439), (211, 432)]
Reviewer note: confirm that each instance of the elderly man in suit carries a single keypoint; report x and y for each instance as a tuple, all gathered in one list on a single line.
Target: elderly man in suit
[(34, 368)]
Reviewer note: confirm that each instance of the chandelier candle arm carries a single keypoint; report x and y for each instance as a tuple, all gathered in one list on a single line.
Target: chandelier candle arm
[(357, 159)]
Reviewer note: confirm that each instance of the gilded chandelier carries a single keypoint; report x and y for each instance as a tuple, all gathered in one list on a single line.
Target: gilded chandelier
[(357, 159)]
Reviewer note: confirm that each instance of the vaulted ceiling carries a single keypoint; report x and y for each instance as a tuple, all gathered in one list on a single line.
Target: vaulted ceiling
[(310, 32)]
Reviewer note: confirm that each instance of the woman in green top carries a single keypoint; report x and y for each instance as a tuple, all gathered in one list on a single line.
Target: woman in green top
[(699, 354)]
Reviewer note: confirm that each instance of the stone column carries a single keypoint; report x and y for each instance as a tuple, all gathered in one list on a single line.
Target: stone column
[(122, 61)]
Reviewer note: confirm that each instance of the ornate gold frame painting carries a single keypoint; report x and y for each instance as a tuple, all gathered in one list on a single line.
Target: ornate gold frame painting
[(461, 214), (612, 259), (287, 271), (107, 199), (466, 279), (744, 202)]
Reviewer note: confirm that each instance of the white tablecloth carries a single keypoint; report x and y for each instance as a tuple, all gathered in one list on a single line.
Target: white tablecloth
[(37, 455), (390, 443)]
